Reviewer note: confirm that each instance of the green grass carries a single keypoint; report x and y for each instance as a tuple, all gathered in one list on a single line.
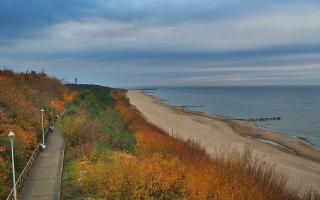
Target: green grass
[(96, 103), (69, 190), (120, 137)]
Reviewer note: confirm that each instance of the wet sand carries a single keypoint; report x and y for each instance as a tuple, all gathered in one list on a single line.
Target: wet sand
[(300, 162)]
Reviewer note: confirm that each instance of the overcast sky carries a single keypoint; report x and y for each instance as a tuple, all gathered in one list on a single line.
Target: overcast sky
[(125, 43)]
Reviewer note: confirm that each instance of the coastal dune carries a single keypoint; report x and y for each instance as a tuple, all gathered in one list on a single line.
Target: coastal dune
[(300, 162)]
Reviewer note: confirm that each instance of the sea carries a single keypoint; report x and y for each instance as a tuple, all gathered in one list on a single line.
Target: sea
[(298, 107)]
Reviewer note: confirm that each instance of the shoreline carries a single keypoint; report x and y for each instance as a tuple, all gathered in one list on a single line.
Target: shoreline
[(298, 160), (266, 136), (212, 115)]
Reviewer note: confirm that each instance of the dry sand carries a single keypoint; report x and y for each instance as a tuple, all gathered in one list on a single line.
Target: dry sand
[(299, 161)]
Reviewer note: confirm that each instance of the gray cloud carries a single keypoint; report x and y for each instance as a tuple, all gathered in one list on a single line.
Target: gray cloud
[(125, 42)]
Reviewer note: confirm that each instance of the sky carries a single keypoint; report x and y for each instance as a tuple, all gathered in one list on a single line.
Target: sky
[(132, 43)]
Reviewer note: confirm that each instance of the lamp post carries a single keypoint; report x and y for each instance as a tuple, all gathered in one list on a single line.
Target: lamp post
[(42, 144), (52, 118), (11, 137)]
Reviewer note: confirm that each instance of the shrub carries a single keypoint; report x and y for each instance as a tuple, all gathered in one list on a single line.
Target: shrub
[(95, 104), (4, 176), (122, 176), (82, 134), (22, 95)]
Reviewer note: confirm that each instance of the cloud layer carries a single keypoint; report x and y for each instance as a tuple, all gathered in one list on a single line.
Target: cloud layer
[(133, 43)]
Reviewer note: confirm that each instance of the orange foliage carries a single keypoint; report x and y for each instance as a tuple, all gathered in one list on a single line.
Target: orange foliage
[(2, 149), (26, 137), (22, 95), (68, 97), (126, 177), (58, 106), (226, 177)]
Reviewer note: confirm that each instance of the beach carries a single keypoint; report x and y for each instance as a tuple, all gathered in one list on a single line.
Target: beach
[(299, 161)]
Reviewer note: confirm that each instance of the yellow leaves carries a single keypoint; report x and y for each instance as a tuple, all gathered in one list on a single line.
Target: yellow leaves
[(99, 177), (126, 177), (82, 134), (162, 176), (2, 149), (71, 126)]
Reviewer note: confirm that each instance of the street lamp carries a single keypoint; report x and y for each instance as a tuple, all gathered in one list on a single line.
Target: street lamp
[(43, 145), (11, 137), (52, 118)]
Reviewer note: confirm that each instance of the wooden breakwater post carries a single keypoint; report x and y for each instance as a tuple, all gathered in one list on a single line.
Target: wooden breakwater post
[(187, 108), (190, 106), (260, 119), (146, 89)]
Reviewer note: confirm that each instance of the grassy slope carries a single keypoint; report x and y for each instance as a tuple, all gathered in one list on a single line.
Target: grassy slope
[(113, 153), (92, 128)]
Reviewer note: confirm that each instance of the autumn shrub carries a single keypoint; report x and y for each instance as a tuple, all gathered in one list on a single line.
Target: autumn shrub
[(4, 174), (69, 190), (123, 176), (81, 133), (22, 95)]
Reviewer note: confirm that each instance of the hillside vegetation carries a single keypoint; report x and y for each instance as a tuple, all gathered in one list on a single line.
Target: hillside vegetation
[(114, 153), (22, 95)]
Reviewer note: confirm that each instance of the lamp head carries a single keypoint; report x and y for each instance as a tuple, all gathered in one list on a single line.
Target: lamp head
[(42, 110), (11, 135)]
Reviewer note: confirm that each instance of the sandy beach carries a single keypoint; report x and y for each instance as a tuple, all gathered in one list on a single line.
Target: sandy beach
[(300, 162)]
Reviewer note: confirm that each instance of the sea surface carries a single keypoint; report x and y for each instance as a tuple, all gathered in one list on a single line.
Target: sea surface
[(298, 106)]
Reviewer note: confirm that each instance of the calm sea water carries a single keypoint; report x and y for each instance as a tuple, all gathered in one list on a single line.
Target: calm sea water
[(298, 106)]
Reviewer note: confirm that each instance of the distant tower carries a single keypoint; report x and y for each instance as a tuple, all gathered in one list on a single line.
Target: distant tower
[(76, 81)]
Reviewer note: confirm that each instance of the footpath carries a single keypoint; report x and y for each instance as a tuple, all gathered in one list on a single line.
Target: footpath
[(45, 177)]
